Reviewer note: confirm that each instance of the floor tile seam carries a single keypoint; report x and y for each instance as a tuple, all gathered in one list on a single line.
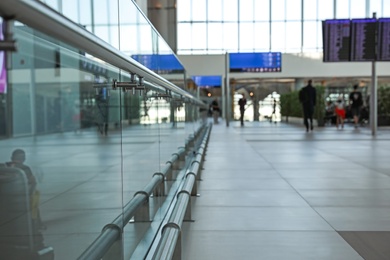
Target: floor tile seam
[(302, 197), (254, 171), (246, 190), (196, 205), (361, 164), (264, 231), (339, 189), (354, 207), (289, 189)]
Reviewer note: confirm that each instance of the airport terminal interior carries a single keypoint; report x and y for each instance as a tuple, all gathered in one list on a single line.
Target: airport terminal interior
[(174, 129)]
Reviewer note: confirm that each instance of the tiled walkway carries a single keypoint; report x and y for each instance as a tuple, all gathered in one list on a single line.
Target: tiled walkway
[(273, 191)]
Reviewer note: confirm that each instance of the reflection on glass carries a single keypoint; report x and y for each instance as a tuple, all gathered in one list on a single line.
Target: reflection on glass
[(89, 147)]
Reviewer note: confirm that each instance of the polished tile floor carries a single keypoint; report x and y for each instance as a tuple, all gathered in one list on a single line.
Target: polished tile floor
[(273, 191)]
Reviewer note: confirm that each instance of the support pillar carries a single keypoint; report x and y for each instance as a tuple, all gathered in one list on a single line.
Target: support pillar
[(162, 14)]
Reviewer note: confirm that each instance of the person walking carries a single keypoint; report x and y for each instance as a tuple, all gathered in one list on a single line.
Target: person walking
[(216, 110), (307, 97), (273, 115), (242, 103), (356, 102), (340, 112)]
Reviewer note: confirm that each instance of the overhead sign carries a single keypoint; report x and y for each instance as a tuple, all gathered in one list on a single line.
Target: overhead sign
[(207, 81), (336, 40), (255, 62), (365, 39), (160, 63)]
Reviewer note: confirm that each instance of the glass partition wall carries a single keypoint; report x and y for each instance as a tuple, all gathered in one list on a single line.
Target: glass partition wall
[(90, 147)]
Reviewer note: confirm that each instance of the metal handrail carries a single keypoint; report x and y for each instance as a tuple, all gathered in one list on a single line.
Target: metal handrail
[(41, 17), (167, 246), (111, 232)]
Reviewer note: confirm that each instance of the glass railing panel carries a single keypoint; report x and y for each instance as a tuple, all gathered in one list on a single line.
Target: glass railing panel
[(67, 121), (93, 147)]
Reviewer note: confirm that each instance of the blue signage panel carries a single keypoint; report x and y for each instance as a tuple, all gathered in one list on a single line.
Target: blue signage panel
[(255, 62), (207, 81), (160, 63)]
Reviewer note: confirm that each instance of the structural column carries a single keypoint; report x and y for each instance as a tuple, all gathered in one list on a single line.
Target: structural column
[(162, 14)]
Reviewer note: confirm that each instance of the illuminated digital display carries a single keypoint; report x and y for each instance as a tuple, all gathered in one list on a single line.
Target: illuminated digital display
[(160, 63), (363, 34), (208, 81), (255, 62), (383, 39), (336, 40), (365, 39)]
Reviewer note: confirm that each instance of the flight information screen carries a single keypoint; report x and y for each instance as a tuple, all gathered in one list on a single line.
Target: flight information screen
[(207, 81), (255, 62), (383, 39), (160, 63), (336, 40), (363, 36)]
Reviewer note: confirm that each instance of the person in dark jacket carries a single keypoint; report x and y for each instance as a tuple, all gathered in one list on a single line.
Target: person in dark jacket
[(307, 97), (356, 101), (242, 104)]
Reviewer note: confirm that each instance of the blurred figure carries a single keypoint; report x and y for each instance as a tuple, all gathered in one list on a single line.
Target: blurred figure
[(18, 158), (273, 115), (330, 113), (307, 97), (340, 112), (356, 101), (216, 110), (21, 237), (203, 112), (242, 104)]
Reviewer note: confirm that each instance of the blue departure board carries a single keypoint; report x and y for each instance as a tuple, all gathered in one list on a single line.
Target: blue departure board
[(255, 62), (160, 63), (208, 81)]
